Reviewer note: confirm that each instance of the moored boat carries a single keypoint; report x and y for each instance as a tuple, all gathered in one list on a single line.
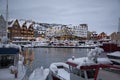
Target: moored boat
[(84, 68), (59, 71), (11, 62), (89, 67), (110, 47), (114, 57)]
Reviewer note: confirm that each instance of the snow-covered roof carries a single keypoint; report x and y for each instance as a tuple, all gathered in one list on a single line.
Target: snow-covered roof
[(28, 24), (21, 23), (11, 22)]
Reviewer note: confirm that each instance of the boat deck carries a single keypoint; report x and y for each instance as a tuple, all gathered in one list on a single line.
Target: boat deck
[(6, 75), (107, 75)]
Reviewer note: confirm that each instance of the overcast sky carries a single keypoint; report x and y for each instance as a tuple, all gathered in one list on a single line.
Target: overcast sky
[(100, 15)]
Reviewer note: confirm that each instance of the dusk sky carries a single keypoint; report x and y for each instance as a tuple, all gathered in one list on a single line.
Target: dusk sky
[(100, 15)]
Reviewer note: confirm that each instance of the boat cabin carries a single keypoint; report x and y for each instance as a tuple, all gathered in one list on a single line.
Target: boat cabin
[(88, 72), (8, 57)]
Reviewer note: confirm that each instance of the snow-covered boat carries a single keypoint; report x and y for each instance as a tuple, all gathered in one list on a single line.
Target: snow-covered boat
[(84, 68), (88, 67), (11, 62), (39, 74), (114, 57), (110, 47), (59, 71)]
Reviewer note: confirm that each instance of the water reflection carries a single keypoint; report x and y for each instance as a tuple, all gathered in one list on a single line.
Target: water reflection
[(37, 57), (29, 57)]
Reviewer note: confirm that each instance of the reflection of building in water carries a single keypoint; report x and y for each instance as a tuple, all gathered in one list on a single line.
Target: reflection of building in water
[(29, 56)]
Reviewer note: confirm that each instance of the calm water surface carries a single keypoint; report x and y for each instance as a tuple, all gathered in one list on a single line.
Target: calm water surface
[(36, 57)]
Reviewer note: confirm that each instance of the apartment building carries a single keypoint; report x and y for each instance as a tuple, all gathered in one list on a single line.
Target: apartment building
[(80, 30)]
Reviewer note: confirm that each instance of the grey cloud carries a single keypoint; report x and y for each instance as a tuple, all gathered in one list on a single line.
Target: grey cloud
[(98, 14)]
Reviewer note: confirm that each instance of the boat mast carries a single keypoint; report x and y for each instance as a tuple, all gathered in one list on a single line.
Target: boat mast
[(6, 18)]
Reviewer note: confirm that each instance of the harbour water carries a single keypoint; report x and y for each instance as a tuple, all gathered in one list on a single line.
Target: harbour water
[(37, 57)]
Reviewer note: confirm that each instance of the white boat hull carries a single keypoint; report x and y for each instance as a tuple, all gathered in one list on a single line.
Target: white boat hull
[(39, 74)]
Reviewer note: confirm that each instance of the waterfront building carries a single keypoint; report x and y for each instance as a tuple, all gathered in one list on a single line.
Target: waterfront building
[(118, 33), (61, 32), (39, 30), (80, 30), (119, 26), (21, 30), (54, 31), (103, 35), (2, 26), (93, 35), (114, 36)]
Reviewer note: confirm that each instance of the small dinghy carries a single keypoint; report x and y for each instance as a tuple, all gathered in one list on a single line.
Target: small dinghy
[(60, 71)]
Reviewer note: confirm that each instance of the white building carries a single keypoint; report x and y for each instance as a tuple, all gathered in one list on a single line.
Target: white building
[(55, 31), (80, 30), (39, 30)]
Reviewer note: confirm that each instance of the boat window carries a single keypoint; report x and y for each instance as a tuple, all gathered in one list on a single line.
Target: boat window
[(60, 67), (75, 71), (90, 73), (6, 61), (82, 74), (78, 72)]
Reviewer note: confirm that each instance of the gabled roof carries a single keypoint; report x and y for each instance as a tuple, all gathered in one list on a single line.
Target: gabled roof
[(11, 22), (21, 23)]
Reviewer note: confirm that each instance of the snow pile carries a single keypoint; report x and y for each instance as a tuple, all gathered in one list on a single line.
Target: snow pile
[(94, 53), (84, 61)]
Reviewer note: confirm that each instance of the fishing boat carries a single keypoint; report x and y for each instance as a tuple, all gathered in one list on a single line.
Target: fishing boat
[(110, 47), (114, 57), (89, 67), (11, 62), (59, 71), (84, 68), (39, 74)]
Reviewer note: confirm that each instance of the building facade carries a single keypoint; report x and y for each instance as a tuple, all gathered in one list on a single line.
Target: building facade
[(60, 32), (24, 31), (39, 30), (80, 30)]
